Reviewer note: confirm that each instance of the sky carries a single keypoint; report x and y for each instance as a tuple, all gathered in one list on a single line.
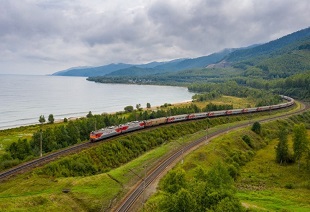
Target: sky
[(44, 36)]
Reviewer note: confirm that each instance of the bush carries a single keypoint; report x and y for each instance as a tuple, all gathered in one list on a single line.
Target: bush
[(256, 127), (289, 186), (247, 140)]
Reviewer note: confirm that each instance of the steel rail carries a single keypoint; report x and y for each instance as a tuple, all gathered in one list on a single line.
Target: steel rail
[(134, 194)]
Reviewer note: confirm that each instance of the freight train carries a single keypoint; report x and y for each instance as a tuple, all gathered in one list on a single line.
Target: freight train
[(137, 125)]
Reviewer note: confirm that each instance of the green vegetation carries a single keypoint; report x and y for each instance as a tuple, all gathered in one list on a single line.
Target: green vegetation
[(51, 119), (212, 190), (282, 152), (301, 142), (128, 108), (121, 150), (42, 119), (60, 136), (253, 166), (249, 159), (38, 191), (256, 128), (279, 67)]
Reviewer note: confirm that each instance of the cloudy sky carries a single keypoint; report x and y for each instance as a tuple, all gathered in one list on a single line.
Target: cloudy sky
[(45, 36)]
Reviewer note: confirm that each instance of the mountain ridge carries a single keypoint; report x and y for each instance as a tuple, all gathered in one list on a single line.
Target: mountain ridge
[(223, 58)]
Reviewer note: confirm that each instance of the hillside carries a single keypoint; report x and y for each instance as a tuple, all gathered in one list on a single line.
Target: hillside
[(273, 52), (272, 48)]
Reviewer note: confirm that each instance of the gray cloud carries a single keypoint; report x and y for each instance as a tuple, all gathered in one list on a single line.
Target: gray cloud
[(40, 37)]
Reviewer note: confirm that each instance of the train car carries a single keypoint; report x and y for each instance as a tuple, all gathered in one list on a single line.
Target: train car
[(104, 133), (236, 111), (131, 126), (282, 105), (219, 113), (253, 109), (245, 110), (197, 115), (177, 118), (154, 122), (265, 108)]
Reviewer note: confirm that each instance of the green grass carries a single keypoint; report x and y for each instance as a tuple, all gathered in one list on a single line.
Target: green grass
[(31, 192), (263, 185), (269, 186), (12, 135), (9, 136)]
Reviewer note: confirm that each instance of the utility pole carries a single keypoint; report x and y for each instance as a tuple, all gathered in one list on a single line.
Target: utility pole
[(41, 142), (207, 131), (182, 149), (41, 120), (144, 184)]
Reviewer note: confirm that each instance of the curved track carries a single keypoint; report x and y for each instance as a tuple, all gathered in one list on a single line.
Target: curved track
[(131, 198), (52, 156), (42, 160)]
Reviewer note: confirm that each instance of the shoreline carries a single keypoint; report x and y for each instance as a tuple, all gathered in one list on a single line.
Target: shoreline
[(61, 120)]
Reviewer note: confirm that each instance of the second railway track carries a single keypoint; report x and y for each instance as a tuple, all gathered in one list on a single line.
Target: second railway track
[(134, 194)]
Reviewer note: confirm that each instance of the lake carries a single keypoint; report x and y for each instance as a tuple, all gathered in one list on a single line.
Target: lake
[(23, 98)]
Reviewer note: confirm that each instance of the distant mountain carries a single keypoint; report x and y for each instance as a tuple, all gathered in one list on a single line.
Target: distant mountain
[(92, 71), (242, 58), (172, 66), (122, 69)]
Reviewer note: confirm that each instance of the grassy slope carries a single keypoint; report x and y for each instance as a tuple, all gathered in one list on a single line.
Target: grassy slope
[(262, 183), (265, 185), (30, 192), (12, 135)]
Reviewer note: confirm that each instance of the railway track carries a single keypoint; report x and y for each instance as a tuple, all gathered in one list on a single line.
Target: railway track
[(40, 161), (52, 156), (131, 198)]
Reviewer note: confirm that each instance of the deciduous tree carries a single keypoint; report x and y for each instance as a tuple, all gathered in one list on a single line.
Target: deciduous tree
[(300, 140), (42, 119), (256, 127), (51, 119), (282, 154), (128, 108)]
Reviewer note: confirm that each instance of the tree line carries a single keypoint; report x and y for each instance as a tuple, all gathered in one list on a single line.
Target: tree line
[(232, 88), (55, 137)]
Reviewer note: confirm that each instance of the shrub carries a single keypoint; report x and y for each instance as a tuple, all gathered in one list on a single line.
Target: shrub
[(256, 127), (247, 140)]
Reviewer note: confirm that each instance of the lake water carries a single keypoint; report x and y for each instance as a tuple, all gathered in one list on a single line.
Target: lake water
[(24, 98)]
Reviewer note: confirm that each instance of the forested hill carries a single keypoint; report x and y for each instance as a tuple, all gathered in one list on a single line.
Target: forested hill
[(281, 66), (272, 48), (241, 58)]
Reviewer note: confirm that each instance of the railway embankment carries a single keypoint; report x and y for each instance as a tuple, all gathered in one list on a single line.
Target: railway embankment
[(80, 186)]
